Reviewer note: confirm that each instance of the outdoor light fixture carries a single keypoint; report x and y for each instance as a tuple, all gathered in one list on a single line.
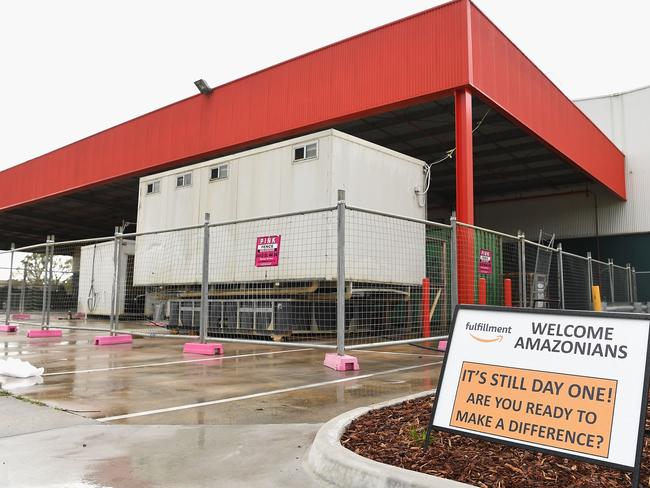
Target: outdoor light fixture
[(203, 86)]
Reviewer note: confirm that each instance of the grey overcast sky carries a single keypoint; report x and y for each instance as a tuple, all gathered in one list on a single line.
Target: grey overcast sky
[(71, 68)]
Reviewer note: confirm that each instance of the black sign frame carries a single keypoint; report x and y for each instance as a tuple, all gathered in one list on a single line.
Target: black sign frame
[(635, 470)]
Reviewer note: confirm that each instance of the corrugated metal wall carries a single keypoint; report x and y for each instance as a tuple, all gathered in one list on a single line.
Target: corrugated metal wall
[(624, 119)]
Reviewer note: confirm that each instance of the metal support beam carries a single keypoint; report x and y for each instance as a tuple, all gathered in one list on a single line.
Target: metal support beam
[(464, 194), (464, 157)]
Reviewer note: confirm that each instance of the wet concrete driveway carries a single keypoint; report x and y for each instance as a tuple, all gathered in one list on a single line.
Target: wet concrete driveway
[(165, 419), (152, 382)]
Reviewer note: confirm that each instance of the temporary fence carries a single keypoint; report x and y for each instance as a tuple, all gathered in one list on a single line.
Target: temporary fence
[(339, 277), (641, 285)]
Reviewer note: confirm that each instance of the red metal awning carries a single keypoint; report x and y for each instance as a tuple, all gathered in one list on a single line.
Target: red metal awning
[(411, 62)]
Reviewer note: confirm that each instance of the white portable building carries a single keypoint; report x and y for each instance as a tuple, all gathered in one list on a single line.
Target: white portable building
[(296, 175), (96, 275)]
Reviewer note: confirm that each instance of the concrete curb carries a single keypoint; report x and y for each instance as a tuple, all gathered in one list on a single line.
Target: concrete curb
[(332, 464)]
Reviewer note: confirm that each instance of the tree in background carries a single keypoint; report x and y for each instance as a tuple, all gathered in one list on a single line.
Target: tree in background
[(35, 269)]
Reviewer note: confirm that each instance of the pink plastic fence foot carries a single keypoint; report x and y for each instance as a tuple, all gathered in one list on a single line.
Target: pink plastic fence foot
[(8, 328), (206, 349), (108, 340), (44, 333), (341, 363), (442, 346), (21, 316)]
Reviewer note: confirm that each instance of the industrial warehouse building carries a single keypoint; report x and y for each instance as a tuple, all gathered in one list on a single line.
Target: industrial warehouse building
[(477, 130), (589, 219)]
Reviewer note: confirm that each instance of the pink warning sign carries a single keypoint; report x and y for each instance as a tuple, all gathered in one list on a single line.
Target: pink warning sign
[(485, 261), (267, 251)]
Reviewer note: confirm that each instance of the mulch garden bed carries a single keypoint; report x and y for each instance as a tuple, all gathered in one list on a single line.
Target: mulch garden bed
[(395, 435)]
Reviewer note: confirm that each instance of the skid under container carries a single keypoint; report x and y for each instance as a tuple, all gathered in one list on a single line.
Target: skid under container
[(296, 175)]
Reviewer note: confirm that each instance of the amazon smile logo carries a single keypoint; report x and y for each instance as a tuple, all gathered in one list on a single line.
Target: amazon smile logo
[(491, 333)]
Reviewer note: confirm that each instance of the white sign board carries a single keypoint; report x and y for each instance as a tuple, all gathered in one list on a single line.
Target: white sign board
[(569, 383)]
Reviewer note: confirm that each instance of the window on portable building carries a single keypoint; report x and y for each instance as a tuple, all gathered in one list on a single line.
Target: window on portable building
[(153, 187), (305, 152), (219, 172), (184, 180)]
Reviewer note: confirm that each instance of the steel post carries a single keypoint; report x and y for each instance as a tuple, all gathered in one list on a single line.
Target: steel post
[(23, 289), (634, 289), (522, 269), (114, 288), (610, 270), (590, 279), (560, 275), (9, 284), (46, 260), (340, 273), (628, 274), (205, 312), (118, 279), (49, 282), (453, 262)]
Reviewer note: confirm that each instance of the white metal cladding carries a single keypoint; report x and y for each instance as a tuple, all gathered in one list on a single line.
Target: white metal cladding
[(378, 249), (267, 181), (99, 275), (623, 118)]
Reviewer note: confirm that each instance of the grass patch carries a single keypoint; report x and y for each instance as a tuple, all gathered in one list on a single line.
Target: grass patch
[(4, 393), (417, 434)]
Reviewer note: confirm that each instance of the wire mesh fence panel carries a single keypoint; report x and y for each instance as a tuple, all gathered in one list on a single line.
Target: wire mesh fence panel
[(490, 260), (159, 276), (621, 285), (542, 283), (436, 300), (276, 279), (28, 276), (642, 281), (397, 279), (12, 276), (602, 279), (77, 277), (273, 279), (577, 291), (511, 271)]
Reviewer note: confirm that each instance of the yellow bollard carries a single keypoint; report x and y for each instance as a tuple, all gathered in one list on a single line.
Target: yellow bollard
[(595, 298)]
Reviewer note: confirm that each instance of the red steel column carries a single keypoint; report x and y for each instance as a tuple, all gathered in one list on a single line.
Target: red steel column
[(465, 194), (464, 157)]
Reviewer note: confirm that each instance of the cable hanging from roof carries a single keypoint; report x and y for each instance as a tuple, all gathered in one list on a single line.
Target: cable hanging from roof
[(448, 155)]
